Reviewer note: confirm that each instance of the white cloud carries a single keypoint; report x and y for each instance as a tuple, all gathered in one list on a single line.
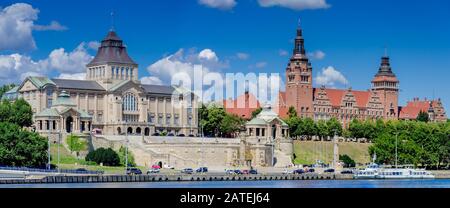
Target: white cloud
[(330, 77), (70, 62), (242, 56), (151, 80), (295, 4), (219, 4), (77, 76), (16, 23), (183, 62), (16, 67), (94, 45), (208, 54), (282, 52), (317, 55), (54, 25)]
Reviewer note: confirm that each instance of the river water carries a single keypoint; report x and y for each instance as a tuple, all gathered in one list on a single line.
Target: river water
[(432, 183)]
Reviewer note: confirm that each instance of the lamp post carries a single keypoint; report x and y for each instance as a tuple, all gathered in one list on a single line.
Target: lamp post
[(396, 156), (126, 152), (59, 144), (48, 140)]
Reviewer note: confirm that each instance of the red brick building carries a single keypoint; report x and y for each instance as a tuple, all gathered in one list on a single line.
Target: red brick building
[(379, 102)]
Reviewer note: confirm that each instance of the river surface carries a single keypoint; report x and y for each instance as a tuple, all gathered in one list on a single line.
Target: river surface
[(432, 183)]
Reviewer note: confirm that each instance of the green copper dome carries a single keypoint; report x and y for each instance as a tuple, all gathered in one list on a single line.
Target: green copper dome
[(63, 100)]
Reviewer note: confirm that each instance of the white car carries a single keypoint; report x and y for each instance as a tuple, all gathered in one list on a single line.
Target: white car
[(167, 166), (286, 171), (153, 170)]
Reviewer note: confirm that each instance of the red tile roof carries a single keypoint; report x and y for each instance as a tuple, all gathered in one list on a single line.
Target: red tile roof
[(413, 108), (242, 106)]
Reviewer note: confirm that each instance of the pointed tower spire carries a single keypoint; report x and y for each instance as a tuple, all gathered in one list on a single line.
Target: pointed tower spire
[(299, 48)]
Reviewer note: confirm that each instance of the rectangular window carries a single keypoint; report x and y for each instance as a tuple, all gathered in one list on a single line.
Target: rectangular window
[(190, 120), (160, 119), (168, 119)]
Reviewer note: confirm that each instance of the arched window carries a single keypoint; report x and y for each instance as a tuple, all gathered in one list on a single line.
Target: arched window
[(129, 103)]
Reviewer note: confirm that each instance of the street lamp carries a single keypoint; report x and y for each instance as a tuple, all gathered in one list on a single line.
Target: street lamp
[(48, 140), (126, 152)]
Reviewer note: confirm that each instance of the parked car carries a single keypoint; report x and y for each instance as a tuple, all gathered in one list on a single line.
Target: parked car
[(167, 166), (155, 134), (202, 170), (230, 172), (312, 170), (134, 171), (170, 134), (81, 170), (299, 171), (245, 172), (330, 170), (156, 167), (238, 172), (347, 172), (288, 171), (153, 170), (187, 171), (181, 135), (191, 135), (253, 171)]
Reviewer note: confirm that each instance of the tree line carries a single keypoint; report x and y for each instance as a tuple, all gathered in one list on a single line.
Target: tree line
[(419, 142)]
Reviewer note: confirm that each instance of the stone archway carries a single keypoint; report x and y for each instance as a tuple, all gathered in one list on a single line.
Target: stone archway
[(138, 130), (130, 130), (147, 131), (69, 122), (119, 131)]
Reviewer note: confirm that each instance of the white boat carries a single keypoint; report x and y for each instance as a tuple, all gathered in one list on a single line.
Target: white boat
[(374, 171)]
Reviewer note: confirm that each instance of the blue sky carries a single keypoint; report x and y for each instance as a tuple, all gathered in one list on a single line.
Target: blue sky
[(351, 35)]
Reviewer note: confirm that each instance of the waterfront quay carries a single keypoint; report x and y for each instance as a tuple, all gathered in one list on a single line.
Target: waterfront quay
[(172, 177)]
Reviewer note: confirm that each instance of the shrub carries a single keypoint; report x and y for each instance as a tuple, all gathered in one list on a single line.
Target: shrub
[(106, 156), (348, 161)]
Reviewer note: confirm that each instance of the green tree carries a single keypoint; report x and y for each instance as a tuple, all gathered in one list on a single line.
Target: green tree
[(334, 127), (212, 117), (256, 112), (107, 157), (347, 160), (309, 128), (123, 156), (19, 112), (230, 125), (76, 144), (322, 129), (423, 117), (294, 124), (19, 147), (292, 112)]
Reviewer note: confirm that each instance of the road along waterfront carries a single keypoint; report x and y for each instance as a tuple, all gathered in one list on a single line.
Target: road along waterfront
[(431, 183)]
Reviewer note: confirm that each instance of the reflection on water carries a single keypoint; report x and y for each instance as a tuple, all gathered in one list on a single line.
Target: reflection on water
[(435, 183)]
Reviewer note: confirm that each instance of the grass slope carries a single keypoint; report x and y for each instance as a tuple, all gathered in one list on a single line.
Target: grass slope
[(307, 152)]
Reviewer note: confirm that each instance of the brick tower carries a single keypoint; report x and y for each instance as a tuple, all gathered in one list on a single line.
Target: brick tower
[(299, 90), (387, 85)]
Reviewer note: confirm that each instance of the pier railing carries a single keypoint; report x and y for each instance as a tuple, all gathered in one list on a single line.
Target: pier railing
[(50, 170)]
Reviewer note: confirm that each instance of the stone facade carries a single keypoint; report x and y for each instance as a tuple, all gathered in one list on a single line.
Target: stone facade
[(114, 98), (264, 143)]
